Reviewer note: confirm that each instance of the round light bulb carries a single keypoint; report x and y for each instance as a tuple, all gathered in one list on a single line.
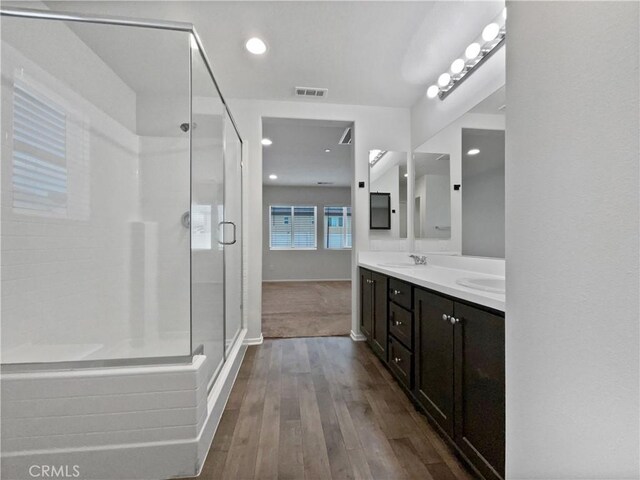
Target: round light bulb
[(444, 79), (472, 51), (266, 142), (273, 177), (432, 91), (457, 66), (490, 32), (256, 46)]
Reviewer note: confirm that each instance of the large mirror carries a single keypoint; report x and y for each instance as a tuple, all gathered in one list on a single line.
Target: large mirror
[(432, 195), (468, 157), (388, 193)]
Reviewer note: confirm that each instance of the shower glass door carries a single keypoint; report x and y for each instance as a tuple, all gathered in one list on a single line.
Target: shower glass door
[(232, 231), (207, 217)]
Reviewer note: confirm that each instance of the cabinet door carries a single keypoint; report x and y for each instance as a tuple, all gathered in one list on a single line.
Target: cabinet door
[(480, 388), (366, 303), (434, 357), (380, 316)]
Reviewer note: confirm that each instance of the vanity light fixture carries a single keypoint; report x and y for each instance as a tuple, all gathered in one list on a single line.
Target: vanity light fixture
[(489, 42), (256, 46), (473, 151), (273, 176), (266, 142), (375, 156)]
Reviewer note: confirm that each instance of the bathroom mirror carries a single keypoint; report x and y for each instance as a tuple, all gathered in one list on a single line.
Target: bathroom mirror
[(432, 196), (471, 152), (483, 192), (388, 193)]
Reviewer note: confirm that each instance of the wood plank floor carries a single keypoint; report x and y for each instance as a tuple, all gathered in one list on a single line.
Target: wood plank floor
[(306, 309), (323, 408)]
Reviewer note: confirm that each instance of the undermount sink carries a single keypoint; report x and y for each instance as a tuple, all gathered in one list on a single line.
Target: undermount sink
[(400, 265), (494, 285)]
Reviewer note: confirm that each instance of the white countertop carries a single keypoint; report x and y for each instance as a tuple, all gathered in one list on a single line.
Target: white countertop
[(441, 274)]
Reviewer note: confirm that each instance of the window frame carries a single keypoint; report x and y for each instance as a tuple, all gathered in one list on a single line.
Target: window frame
[(345, 215), (292, 245)]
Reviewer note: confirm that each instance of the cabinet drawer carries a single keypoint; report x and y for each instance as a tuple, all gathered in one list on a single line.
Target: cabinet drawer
[(400, 292), (400, 361), (401, 324)]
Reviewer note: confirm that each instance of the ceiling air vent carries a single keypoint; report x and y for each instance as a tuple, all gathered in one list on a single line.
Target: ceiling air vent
[(346, 137), (311, 92)]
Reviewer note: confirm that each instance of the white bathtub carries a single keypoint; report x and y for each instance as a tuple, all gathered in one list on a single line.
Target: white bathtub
[(114, 423)]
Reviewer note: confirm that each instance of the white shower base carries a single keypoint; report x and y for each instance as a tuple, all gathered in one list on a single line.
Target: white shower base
[(114, 423)]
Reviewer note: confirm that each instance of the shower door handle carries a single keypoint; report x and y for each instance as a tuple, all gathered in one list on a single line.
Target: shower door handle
[(222, 224)]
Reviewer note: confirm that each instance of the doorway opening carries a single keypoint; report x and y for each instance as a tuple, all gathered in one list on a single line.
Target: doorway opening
[(307, 227)]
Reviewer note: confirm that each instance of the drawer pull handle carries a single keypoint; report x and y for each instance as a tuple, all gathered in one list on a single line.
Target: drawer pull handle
[(397, 359), (397, 292), (397, 323), (446, 317)]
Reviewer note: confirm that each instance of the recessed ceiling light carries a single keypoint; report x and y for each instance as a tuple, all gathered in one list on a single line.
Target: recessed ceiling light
[(273, 176), (326, 150), (266, 142), (473, 151), (256, 46)]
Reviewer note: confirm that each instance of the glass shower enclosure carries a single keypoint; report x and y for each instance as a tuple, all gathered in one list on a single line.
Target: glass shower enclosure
[(121, 196)]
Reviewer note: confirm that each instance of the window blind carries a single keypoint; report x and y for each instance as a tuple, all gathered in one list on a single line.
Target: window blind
[(337, 227), (293, 227), (39, 177)]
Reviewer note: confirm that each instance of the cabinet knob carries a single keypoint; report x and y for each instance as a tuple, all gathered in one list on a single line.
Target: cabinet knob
[(454, 320), (397, 323), (397, 359), (397, 292), (445, 317)]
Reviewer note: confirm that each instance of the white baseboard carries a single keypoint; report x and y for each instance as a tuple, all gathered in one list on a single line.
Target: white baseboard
[(254, 341), (357, 337)]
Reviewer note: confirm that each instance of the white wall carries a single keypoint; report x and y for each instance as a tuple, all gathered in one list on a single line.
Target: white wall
[(319, 264), (572, 183), (374, 127)]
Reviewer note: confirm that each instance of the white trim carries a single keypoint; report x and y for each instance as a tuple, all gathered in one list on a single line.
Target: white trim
[(309, 280), (254, 341), (219, 396), (357, 337)]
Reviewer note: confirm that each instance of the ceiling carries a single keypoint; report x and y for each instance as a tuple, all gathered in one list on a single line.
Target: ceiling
[(365, 53), (297, 155)]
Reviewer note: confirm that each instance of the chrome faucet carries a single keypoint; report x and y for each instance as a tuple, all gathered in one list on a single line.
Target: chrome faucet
[(419, 259)]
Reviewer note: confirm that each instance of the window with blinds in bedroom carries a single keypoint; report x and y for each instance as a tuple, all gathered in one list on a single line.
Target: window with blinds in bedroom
[(292, 227)]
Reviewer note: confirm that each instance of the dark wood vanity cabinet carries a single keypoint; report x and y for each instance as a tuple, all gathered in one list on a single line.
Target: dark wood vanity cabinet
[(460, 376), (373, 311), (479, 374), (435, 357), (449, 356)]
